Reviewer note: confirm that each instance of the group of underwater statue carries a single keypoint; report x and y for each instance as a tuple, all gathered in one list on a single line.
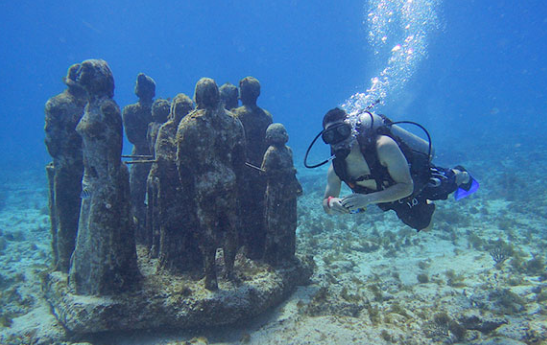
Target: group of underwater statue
[(203, 177), (207, 181)]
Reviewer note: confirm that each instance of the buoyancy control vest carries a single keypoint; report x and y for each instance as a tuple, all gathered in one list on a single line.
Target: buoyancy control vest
[(418, 153)]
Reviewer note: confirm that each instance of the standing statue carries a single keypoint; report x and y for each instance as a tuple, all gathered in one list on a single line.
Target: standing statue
[(211, 159), (105, 259), (229, 96), (173, 220), (160, 111), (255, 121), (136, 118), (63, 112), (281, 192)]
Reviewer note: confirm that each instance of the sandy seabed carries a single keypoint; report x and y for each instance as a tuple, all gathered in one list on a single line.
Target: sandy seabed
[(479, 277)]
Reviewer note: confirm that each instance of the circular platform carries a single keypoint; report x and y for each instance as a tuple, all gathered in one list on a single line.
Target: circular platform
[(167, 301)]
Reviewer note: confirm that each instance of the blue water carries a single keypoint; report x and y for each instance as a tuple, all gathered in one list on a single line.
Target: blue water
[(479, 84), (484, 74)]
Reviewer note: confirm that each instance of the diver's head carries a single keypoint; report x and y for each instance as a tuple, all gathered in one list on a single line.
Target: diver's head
[(336, 127), (337, 132)]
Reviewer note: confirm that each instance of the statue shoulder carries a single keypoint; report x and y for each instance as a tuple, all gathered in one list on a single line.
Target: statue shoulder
[(109, 106), (268, 115), (130, 110)]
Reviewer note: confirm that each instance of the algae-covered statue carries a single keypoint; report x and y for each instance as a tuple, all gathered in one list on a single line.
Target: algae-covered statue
[(175, 223), (63, 112), (160, 112), (193, 204), (255, 121), (136, 118), (104, 260), (210, 158), (281, 192), (229, 96)]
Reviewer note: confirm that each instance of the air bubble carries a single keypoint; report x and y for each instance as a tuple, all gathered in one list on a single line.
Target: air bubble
[(404, 25)]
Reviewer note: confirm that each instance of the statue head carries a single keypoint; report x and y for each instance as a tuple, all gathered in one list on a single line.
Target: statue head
[(145, 87), (229, 95), (276, 134), (160, 110), (70, 79), (206, 95), (95, 77), (181, 106), (249, 90)]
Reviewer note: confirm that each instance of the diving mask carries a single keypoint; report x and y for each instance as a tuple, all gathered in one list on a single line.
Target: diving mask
[(336, 133)]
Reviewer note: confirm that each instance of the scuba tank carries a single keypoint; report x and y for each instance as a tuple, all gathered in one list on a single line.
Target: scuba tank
[(417, 151), (369, 124)]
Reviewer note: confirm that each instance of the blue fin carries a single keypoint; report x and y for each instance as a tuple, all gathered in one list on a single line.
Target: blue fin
[(465, 192)]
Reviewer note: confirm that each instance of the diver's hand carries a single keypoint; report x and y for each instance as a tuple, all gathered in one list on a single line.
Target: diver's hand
[(335, 205), (355, 201)]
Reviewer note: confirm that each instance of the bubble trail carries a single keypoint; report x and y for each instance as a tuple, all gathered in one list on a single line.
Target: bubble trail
[(398, 32)]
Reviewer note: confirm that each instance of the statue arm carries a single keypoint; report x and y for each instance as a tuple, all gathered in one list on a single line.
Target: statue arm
[(130, 125), (239, 157), (266, 162), (51, 128), (184, 156)]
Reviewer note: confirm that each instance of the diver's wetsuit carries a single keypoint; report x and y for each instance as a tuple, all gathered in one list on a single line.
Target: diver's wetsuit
[(414, 210), (430, 183)]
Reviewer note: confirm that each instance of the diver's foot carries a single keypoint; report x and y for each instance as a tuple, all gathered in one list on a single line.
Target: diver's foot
[(466, 186), (463, 179)]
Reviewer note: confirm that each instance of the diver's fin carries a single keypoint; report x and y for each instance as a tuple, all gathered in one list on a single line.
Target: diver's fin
[(466, 189)]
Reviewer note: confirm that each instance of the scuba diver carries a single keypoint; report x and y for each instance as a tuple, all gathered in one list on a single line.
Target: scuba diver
[(385, 165)]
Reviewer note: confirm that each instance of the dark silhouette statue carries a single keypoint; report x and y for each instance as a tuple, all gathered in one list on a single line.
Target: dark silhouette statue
[(280, 200), (136, 118), (211, 158), (173, 220), (64, 144), (104, 260), (229, 96), (160, 112), (255, 121)]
